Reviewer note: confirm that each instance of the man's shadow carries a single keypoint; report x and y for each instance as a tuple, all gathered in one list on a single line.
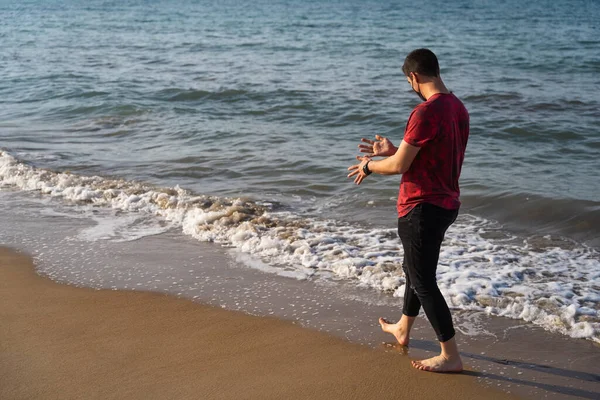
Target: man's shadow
[(584, 376)]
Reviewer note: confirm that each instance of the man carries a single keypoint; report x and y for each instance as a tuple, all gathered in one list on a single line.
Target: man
[(430, 159)]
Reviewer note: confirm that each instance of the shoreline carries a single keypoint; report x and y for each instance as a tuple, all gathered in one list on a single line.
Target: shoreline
[(481, 262), (61, 341)]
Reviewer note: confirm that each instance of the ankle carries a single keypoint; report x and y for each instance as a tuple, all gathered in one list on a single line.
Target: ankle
[(406, 322), (450, 356), (449, 350)]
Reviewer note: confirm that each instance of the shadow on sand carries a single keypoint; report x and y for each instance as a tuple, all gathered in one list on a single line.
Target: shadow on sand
[(584, 376)]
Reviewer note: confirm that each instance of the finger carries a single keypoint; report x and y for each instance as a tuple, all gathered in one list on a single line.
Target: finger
[(353, 167), (361, 159), (366, 141), (369, 152), (364, 146), (378, 137), (359, 179), (351, 174)]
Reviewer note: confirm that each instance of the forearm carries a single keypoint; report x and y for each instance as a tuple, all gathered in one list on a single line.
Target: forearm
[(396, 164), (387, 166)]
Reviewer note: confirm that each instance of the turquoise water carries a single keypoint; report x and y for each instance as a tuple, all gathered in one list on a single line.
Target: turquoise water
[(269, 99)]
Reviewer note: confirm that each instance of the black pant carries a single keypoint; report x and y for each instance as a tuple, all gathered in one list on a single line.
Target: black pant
[(422, 231)]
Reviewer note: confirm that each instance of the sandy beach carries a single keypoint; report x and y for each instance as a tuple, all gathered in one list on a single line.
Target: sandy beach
[(59, 341)]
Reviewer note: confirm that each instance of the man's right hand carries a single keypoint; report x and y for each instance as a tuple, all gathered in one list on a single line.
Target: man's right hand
[(380, 147)]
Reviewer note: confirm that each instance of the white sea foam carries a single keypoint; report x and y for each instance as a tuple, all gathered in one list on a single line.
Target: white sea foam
[(556, 288), (122, 228)]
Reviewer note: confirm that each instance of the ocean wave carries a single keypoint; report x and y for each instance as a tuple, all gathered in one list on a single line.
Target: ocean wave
[(577, 219), (494, 97), (195, 95), (231, 95), (542, 283)]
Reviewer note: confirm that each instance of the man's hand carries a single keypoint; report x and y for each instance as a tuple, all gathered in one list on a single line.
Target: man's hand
[(358, 169), (381, 147)]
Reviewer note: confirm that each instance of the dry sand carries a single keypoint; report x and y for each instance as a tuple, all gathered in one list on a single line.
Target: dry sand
[(63, 342)]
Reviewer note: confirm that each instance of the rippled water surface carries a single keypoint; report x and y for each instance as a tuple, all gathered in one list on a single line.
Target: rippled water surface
[(176, 91)]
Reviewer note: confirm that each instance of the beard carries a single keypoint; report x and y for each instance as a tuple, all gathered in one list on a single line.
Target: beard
[(420, 95)]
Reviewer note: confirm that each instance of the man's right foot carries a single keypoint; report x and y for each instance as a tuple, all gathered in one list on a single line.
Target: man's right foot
[(439, 364), (398, 329)]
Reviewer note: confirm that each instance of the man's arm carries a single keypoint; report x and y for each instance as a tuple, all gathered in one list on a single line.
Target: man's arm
[(396, 164)]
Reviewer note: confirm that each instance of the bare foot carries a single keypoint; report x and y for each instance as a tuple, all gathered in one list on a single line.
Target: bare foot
[(398, 330), (439, 364)]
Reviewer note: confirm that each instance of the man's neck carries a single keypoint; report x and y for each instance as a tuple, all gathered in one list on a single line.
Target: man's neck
[(432, 87)]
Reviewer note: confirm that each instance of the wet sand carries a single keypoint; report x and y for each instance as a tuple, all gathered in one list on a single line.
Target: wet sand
[(59, 341)]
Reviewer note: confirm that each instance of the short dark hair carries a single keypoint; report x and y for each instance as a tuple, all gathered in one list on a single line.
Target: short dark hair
[(421, 61)]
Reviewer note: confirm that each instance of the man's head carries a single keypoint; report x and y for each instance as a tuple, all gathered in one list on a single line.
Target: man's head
[(422, 62), (421, 66)]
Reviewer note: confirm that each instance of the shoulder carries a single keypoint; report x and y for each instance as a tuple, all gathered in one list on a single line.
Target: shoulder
[(444, 105), (423, 111), (427, 111), (452, 99)]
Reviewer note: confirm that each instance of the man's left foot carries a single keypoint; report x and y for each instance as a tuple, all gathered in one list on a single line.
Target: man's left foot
[(439, 364), (399, 329)]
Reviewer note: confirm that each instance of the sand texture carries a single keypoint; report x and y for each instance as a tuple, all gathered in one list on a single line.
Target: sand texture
[(63, 342)]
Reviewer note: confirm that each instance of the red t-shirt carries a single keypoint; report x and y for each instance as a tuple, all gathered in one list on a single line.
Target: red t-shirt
[(440, 127)]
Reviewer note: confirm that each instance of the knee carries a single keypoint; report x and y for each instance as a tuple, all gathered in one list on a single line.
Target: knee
[(425, 289)]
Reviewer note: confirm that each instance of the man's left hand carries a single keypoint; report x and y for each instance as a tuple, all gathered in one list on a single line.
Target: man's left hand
[(358, 169)]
